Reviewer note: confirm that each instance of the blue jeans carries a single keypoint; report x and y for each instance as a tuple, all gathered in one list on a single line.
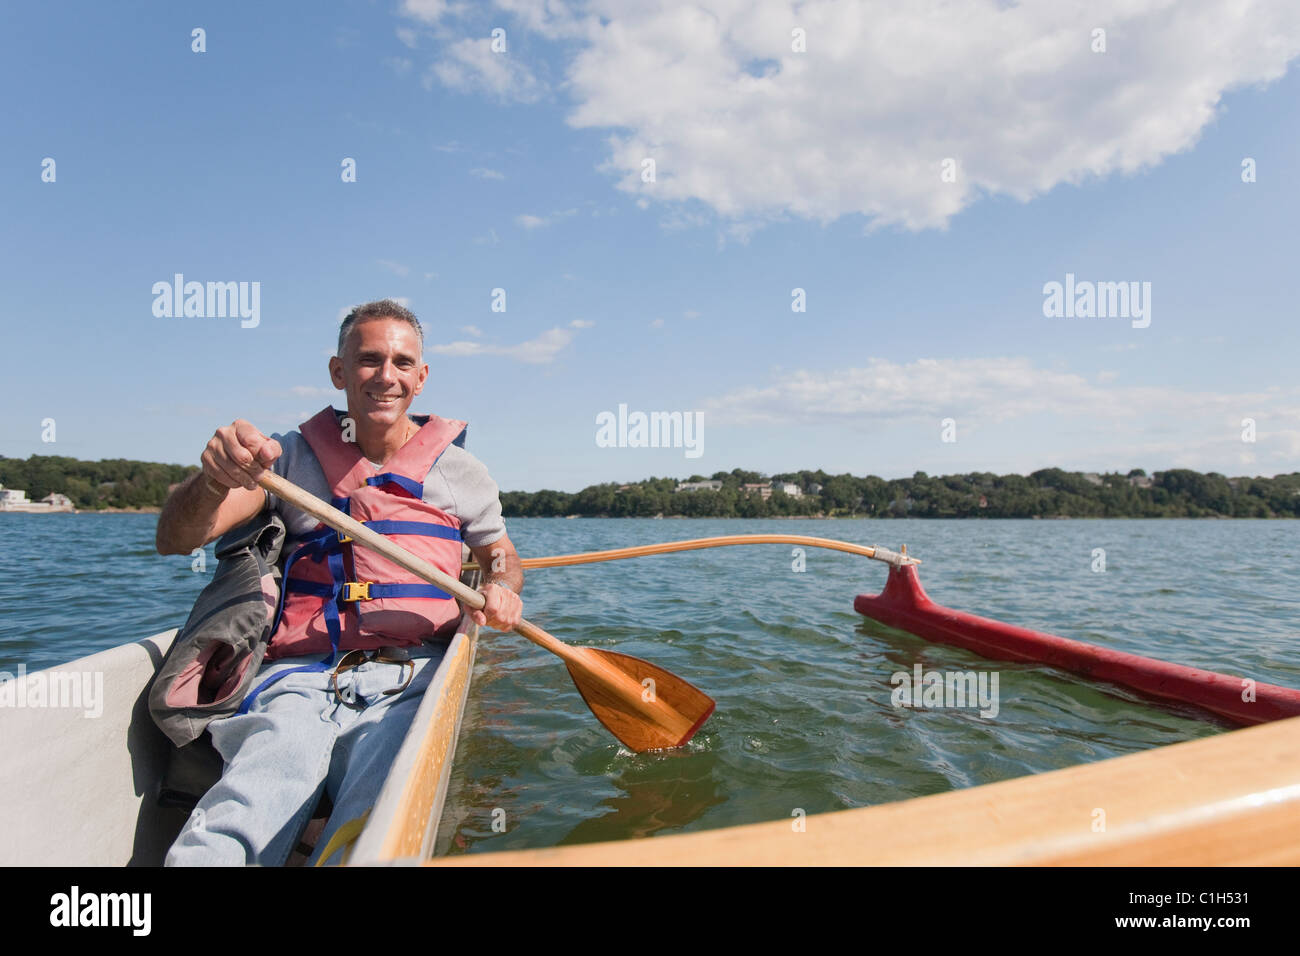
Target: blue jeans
[(296, 740)]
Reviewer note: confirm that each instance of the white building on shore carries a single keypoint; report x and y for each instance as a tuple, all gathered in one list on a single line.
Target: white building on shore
[(16, 500), (712, 485)]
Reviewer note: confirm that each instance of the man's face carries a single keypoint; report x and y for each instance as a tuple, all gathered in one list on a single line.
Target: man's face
[(381, 370)]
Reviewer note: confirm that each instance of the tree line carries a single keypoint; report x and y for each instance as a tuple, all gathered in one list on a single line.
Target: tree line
[(92, 485), (1048, 493)]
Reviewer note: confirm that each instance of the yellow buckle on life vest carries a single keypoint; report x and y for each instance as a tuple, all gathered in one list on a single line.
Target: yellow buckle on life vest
[(356, 591), (344, 537)]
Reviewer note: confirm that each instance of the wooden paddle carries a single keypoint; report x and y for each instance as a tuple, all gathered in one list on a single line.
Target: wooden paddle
[(644, 706)]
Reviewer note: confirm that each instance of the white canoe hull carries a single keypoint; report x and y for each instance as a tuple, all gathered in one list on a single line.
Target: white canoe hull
[(80, 789), (80, 785)]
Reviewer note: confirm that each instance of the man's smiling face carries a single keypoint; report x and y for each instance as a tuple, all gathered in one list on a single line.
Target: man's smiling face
[(381, 371)]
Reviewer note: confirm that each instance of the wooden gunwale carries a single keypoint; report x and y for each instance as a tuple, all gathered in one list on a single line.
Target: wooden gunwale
[(404, 820), (1231, 799)]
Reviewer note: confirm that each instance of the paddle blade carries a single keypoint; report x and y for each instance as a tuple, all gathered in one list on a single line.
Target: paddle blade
[(665, 712)]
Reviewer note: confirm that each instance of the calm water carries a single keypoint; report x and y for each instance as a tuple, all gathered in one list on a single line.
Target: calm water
[(804, 716)]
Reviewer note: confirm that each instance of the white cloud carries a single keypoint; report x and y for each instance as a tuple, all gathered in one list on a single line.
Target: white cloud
[(656, 323), (529, 221), (538, 351), (861, 122), (473, 330), (553, 19), (470, 66), (407, 36), (396, 268), (483, 173), (426, 11), (888, 90), (312, 391), (1194, 429), (398, 64), (581, 324)]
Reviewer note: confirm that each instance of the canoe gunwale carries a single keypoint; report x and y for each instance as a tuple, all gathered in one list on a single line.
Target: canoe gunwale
[(1228, 800), (404, 820)]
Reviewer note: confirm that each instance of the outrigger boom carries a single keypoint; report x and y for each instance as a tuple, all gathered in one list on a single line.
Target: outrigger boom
[(893, 558)]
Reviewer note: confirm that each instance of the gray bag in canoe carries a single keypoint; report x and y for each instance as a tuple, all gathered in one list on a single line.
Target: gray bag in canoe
[(211, 664)]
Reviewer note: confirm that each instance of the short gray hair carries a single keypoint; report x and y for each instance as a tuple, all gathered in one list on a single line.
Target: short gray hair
[(379, 309)]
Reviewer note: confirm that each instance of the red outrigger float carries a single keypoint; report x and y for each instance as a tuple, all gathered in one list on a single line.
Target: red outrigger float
[(904, 604)]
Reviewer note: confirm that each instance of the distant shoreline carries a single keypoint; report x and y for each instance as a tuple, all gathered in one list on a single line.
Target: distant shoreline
[(1049, 494), (886, 517), (855, 517), (147, 510), (134, 487)]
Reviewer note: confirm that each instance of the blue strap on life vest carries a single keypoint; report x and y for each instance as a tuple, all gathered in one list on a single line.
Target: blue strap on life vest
[(375, 591), (414, 527), (408, 590), (413, 488)]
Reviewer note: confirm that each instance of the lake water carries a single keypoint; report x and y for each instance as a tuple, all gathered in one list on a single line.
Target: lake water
[(804, 719)]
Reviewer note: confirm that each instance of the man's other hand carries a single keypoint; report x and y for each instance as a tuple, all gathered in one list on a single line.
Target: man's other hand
[(503, 609)]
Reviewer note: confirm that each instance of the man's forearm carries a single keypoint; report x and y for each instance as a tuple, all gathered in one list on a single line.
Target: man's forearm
[(514, 582), (505, 570), (188, 517)]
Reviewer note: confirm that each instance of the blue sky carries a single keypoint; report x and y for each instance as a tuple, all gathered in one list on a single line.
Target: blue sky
[(776, 169)]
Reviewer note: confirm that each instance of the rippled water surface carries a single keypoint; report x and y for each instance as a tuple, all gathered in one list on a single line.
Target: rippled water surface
[(804, 718)]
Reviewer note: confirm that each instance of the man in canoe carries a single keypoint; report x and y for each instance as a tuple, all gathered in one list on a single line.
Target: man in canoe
[(349, 657)]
